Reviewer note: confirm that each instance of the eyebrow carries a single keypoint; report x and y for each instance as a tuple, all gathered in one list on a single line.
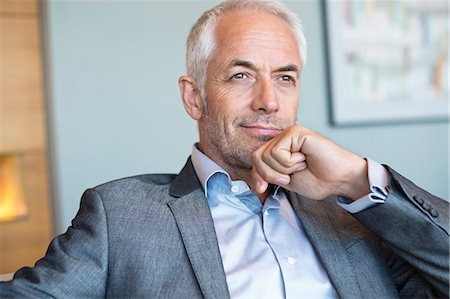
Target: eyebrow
[(249, 65), (243, 63), (289, 68)]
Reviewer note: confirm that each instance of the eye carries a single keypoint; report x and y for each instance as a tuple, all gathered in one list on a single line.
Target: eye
[(239, 76), (287, 78)]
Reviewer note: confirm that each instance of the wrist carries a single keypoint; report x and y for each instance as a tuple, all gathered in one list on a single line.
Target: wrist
[(357, 183)]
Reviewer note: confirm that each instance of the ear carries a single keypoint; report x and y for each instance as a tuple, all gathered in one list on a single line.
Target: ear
[(191, 97)]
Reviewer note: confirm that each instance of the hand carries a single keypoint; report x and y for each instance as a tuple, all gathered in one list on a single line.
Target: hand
[(307, 163)]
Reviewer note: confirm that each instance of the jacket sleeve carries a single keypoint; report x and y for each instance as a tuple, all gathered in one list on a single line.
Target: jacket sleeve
[(414, 225), (76, 263)]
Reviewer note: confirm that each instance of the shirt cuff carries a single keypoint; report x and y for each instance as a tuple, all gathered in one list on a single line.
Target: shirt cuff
[(378, 180)]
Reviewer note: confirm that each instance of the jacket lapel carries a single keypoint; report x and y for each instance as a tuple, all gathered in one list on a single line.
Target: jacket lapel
[(316, 218), (193, 217)]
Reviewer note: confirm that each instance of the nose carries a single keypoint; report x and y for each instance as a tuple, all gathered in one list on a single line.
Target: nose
[(265, 98)]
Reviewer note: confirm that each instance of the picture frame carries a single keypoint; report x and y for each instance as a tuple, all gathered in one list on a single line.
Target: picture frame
[(387, 60)]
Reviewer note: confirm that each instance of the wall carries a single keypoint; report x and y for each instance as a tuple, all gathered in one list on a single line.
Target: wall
[(115, 110), (22, 132)]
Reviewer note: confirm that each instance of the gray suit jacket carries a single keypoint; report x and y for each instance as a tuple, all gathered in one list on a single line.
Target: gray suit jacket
[(153, 236)]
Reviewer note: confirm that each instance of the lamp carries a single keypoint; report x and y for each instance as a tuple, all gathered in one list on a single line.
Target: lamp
[(12, 194)]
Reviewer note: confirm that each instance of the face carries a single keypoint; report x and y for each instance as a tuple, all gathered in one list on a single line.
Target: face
[(251, 87)]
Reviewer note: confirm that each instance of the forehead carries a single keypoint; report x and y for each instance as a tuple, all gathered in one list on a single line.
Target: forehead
[(255, 35)]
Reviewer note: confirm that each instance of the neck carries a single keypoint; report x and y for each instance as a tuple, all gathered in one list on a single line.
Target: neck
[(262, 197), (243, 174)]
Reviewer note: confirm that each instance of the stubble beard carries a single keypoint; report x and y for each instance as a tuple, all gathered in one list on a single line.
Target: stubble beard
[(235, 149)]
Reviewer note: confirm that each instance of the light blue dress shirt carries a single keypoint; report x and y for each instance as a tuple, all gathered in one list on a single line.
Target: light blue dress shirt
[(265, 252)]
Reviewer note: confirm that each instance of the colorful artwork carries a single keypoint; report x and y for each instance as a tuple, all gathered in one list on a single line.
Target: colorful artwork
[(388, 59)]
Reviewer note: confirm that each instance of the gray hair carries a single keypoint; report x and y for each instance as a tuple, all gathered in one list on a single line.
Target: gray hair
[(201, 41)]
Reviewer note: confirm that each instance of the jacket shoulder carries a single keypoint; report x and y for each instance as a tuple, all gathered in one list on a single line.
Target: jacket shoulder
[(144, 179), (139, 189)]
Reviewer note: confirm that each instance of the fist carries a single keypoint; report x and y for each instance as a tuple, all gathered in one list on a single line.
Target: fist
[(307, 163)]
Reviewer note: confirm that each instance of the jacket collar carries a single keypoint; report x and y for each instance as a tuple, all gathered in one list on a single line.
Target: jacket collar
[(185, 182)]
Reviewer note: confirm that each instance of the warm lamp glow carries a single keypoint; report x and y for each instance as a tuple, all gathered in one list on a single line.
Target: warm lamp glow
[(12, 194)]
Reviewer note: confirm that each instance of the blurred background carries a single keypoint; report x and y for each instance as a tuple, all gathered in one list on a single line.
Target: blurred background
[(89, 94)]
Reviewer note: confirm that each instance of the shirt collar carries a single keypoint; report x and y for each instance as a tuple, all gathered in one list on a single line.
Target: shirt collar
[(206, 168)]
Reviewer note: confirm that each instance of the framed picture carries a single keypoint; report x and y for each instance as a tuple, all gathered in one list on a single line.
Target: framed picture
[(388, 60)]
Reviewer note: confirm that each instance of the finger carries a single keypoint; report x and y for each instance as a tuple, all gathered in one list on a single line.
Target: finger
[(269, 174), (293, 159), (258, 185), (286, 168), (284, 149), (301, 166)]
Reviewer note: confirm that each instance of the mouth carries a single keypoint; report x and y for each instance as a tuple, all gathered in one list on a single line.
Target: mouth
[(260, 130)]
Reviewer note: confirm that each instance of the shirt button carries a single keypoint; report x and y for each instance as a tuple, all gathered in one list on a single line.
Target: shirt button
[(234, 189), (291, 260)]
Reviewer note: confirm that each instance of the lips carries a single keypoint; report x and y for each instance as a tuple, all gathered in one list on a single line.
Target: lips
[(260, 130)]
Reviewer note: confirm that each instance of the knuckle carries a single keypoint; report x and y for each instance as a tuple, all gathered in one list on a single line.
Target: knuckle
[(287, 160), (265, 174), (266, 155), (273, 151), (255, 155)]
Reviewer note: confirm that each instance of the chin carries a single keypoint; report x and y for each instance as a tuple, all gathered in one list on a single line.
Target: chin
[(265, 138)]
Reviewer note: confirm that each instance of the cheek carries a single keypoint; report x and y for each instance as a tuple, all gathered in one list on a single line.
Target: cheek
[(229, 94), (292, 113), (229, 102), (288, 108), (290, 97)]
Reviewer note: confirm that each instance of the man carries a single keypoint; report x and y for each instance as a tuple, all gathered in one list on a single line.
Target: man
[(255, 211)]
